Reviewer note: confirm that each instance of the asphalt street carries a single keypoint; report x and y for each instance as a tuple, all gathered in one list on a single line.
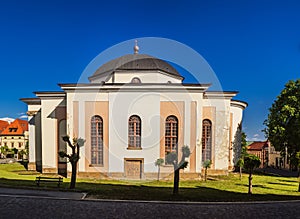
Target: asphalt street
[(44, 204)]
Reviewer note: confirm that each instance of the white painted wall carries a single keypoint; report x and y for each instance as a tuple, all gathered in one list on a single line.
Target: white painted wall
[(220, 131), (121, 107), (49, 132), (32, 134), (237, 119), (144, 76)]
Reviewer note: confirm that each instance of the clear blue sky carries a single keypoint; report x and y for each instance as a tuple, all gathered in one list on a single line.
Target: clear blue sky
[(253, 46)]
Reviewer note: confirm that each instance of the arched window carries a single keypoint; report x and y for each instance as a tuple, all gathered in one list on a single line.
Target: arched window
[(136, 80), (171, 135), (206, 140), (97, 140), (134, 132)]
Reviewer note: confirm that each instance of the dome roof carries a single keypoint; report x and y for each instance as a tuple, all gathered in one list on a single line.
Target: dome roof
[(136, 62)]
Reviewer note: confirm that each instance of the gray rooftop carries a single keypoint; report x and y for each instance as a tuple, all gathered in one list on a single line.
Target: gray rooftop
[(136, 62)]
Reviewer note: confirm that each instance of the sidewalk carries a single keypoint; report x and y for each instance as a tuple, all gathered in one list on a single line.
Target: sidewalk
[(41, 193)]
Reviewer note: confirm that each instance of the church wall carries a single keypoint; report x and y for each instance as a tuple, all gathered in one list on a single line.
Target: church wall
[(76, 121), (49, 134), (33, 124), (192, 110), (38, 140), (237, 114), (221, 125), (147, 77), (171, 108), (121, 106), (209, 112), (100, 108), (193, 136)]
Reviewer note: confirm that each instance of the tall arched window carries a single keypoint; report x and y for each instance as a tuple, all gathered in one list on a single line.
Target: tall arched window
[(134, 132), (206, 140), (97, 140), (171, 135)]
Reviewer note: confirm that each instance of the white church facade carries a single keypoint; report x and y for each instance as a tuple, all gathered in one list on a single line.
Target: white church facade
[(135, 110)]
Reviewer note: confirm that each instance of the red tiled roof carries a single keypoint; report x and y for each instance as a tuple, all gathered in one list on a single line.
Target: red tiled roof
[(3, 125), (258, 145), (17, 127)]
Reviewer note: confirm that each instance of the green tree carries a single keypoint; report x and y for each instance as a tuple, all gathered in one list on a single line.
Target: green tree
[(206, 165), (298, 159), (158, 163), (172, 158), (73, 157), (240, 165), (240, 162), (21, 154), (283, 122), (4, 150), (250, 163)]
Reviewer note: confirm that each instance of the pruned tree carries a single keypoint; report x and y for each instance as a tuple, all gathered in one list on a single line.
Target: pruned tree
[(206, 165), (172, 158), (158, 163), (73, 157), (250, 163), (240, 165)]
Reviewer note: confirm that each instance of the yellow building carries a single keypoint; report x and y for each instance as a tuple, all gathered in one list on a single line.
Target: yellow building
[(15, 135)]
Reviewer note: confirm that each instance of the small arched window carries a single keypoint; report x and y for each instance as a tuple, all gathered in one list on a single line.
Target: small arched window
[(134, 132), (206, 140), (136, 80), (171, 134), (97, 140)]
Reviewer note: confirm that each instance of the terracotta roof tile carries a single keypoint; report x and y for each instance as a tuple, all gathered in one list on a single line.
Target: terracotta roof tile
[(258, 145), (3, 125), (17, 127)]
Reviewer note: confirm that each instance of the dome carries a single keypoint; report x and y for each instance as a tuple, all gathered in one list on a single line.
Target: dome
[(135, 62)]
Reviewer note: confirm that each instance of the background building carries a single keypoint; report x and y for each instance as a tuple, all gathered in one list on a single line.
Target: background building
[(15, 135)]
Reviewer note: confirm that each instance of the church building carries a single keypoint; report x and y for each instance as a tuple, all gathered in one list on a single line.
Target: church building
[(135, 109)]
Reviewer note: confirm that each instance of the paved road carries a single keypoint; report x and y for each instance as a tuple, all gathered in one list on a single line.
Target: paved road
[(23, 206)]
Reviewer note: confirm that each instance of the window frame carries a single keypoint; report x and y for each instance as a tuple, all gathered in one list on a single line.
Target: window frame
[(97, 147), (134, 133), (206, 140), (171, 135)]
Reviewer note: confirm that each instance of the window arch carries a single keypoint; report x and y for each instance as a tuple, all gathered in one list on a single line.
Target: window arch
[(136, 80), (171, 134), (134, 132), (206, 140), (97, 140)]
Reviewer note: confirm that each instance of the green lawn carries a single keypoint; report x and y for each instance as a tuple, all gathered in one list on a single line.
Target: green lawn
[(225, 188)]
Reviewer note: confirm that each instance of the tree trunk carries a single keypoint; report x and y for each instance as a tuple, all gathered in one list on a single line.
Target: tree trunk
[(205, 174), (158, 173), (241, 173), (176, 181), (299, 187), (250, 183), (73, 175)]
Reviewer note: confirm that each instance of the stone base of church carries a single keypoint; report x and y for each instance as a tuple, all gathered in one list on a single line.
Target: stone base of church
[(49, 170), (91, 175), (32, 166), (215, 172), (145, 176)]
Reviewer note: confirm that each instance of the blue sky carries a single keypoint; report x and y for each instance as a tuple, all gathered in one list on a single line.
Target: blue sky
[(252, 46)]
